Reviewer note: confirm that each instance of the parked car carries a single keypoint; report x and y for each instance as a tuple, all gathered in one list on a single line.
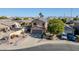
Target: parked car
[(71, 37), (64, 36)]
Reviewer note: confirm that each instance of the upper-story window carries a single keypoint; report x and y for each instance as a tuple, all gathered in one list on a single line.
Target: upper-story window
[(34, 24), (43, 24)]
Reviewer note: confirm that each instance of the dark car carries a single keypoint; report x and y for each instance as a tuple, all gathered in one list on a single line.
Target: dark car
[(71, 37)]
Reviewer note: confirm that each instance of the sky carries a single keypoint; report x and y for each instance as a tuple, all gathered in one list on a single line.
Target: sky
[(34, 11)]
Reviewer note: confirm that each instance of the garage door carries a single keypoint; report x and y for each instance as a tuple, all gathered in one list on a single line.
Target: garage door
[(37, 33)]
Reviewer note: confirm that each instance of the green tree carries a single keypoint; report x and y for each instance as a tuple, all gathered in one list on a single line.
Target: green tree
[(3, 17), (26, 18), (23, 24), (76, 18), (64, 20), (17, 18), (55, 26), (41, 15)]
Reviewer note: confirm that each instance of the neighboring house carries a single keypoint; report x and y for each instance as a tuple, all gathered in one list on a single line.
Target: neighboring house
[(24, 21), (68, 29), (15, 26), (69, 22), (26, 24), (9, 23), (76, 27), (38, 28)]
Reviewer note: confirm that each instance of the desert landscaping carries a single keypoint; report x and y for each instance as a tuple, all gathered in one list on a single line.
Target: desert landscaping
[(51, 33)]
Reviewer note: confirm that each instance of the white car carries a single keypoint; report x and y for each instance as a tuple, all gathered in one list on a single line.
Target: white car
[(64, 36)]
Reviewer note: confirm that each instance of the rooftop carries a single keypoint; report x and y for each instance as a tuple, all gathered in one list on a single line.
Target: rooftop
[(6, 22)]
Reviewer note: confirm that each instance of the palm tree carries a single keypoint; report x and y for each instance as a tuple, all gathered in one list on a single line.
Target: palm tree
[(41, 15)]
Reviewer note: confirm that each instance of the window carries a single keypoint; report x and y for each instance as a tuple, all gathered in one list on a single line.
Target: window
[(43, 24), (34, 23)]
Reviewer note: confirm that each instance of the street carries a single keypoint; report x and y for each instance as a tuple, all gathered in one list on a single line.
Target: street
[(54, 47)]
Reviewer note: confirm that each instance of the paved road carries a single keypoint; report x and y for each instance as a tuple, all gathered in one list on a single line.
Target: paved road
[(52, 47)]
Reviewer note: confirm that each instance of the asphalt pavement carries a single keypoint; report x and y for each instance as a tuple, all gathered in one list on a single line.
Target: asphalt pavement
[(52, 47)]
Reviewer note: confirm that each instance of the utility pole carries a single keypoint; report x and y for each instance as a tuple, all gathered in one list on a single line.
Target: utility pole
[(71, 12), (64, 14)]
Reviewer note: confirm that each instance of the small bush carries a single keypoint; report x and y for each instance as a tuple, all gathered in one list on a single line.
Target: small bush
[(77, 39), (3, 17), (17, 18), (26, 18)]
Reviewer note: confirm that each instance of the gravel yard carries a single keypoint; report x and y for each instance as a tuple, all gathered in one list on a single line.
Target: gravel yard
[(27, 43)]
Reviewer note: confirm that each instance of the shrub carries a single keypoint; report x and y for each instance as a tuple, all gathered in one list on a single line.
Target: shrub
[(76, 18), (17, 18), (3, 17), (77, 39), (64, 20), (26, 18), (55, 26)]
